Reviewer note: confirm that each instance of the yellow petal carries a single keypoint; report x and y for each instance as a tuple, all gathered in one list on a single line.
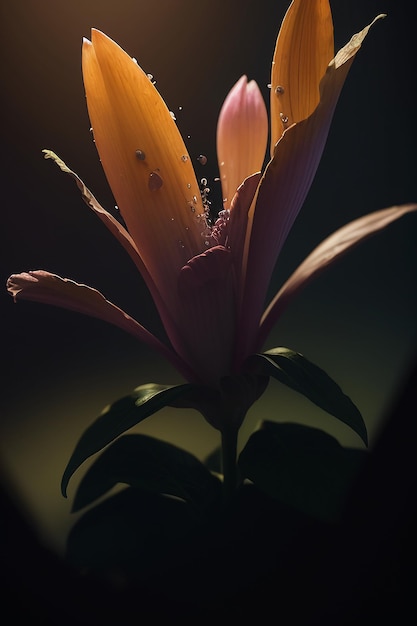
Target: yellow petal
[(303, 50), (145, 160), (242, 134)]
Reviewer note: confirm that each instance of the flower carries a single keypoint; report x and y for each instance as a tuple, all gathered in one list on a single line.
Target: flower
[(208, 278)]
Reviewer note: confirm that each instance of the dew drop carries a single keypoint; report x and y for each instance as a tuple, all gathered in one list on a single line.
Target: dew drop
[(284, 118), (279, 89), (172, 114), (155, 182), (202, 159), (184, 158), (140, 155), (188, 185)]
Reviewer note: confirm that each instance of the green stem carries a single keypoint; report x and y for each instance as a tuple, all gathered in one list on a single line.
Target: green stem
[(229, 465)]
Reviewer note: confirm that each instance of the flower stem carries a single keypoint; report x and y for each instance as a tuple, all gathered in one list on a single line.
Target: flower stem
[(229, 465)]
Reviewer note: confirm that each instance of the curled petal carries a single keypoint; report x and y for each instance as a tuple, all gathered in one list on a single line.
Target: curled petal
[(327, 253), (114, 226), (303, 51), (242, 133), (206, 268), (207, 313), (41, 286)]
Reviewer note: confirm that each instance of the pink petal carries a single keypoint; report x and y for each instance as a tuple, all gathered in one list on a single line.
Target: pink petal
[(242, 134)]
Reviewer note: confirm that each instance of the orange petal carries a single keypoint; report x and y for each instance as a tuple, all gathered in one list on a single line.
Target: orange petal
[(303, 51), (145, 160), (242, 134), (326, 253)]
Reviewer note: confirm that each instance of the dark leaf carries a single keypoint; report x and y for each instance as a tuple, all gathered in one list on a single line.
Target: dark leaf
[(294, 370), (214, 461), (128, 534), (152, 465), (302, 467), (119, 417)]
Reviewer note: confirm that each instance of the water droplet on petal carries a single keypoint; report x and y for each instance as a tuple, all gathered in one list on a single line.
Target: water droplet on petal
[(279, 89), (184, 158), (284, 118), (202, 159), (155, 182), (140, 155), (188, 185), (172, 114)]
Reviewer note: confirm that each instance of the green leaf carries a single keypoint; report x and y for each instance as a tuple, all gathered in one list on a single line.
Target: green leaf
[(119, 417), (152, 465), (302, 467), (294, 370)]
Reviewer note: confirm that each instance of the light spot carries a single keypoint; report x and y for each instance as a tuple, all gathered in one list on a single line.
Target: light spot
[(284, 118), (184, 158)]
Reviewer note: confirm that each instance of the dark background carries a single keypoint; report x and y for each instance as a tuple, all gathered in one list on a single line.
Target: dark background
[(357, 321)]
